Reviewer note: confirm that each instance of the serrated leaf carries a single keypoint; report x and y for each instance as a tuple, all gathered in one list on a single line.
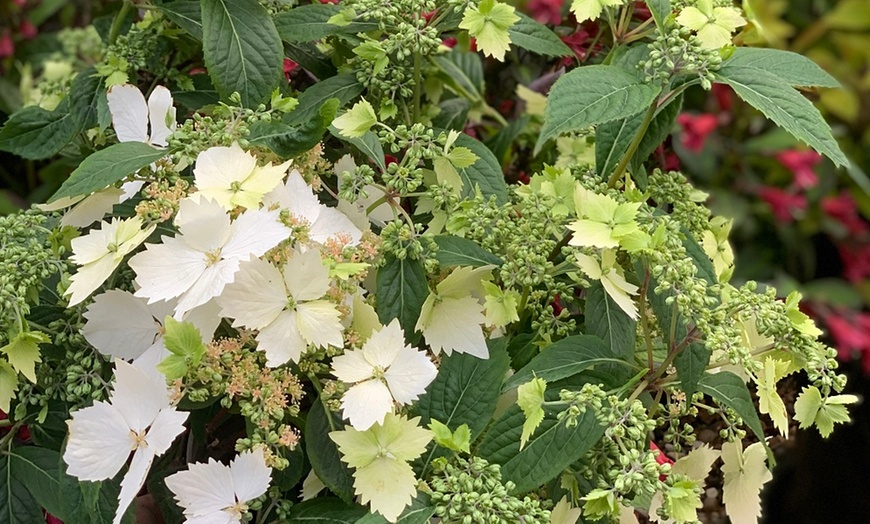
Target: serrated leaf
[(323, 453), (730, 390), (186, 14), (607, 321), (344, 87), (307, 23), (791, 68), (780, 102), (464, 72), (288, 141), (401, 290), (660, 10), (528, 33), (453, 115), (485, 174), (107, 166), (326, 510), (553, 448), (17, 505), (568, 357), (593, 95), (242, 49), (86, 91), (34, 133), (458, 251), (368, 144)]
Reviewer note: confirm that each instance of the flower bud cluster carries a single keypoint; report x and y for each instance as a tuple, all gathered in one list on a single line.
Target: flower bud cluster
[(679, 53), (471, 492)]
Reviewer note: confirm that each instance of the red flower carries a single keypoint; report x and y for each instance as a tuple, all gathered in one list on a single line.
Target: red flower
[(51, 519), (802, 165), (696, 129), (546, 11), (289, 67), (851, 334), (7, 47), (784, 205), (724, 97), (27, 30), (450, 41), (580, 42), (641, 11), (668, 160), (844, 210), (856, 261)]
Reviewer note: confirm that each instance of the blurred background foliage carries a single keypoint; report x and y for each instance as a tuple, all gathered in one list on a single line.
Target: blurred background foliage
[(798, 222)]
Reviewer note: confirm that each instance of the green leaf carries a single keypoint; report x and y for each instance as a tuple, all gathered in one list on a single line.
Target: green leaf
[(17, 505), (607, 321), (660, 9), (186, 14), (730, 390), (326, 510), (506, 138), (311, 58), (288, 141), (458, 251), (464, 72), (485, 174), (85, 95), (593, 95), (308, 23), (778, 101), (529, 34), (791, 68), (453, 115), (242, 49), (344, 87), (34, 133), (568, 357), (419, 512), (107, 166), (368, 144), (554, 447), (38, 469), (323, 453), (401, 290)]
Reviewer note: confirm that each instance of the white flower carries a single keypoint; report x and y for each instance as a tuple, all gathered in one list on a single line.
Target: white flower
[(610, 275), (356, 211), (324, 222), (196, 264), (212, 493), (88, 209), (138, 417), (384, 370), (286, 306), (131, 115), (124, 326), (101, 251), (231, 177)]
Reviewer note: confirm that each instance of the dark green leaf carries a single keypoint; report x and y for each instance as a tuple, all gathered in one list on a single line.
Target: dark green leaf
[(242, 49), (35, 133), (419, 512), (326, 510), (464, 71), (501, 143), (38, 469), (522, 349), (401, 290), (186, 14), (457, 251), (453, 115), (660, 10), (537, 38), (17, 506), (368, 144), (552, 448), (86, 92), (343, 87), (308, 23), (607, 321), (568, 357), (311, 59), (323, 453), (485, 174), (791, 68), (729, 390), (288, 141), (107, 166)]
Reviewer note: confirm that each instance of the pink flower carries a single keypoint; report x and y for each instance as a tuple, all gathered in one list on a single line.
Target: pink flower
[(7, 47), (802, 165), (450, 41), (51, 519), (546, 11), (581, 41), (844, 210), (856, 261), (289, 67), (851, 334), (696, 129), (27, 30), (784, 205), (724, 97)]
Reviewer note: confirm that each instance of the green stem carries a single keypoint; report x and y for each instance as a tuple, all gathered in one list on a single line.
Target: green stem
[(557, 250), (632, 148), (115, 30), (6, 441), (672, 334), (417, 81), (644, 320)]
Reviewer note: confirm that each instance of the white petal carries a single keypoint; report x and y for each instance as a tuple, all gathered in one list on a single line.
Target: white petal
[(454, 325), (138, 396), (366, 403), (254, 233), (133, 481), (203, 489), (204, 224), (99, 442), (383, 345), (256, 296), (129, 113), (409, 375), (168, 425), (161, 115), (311, 486), (281, 340), (217, 169), (120, 325), (92, 208), (319, 323), (620, 295), (89, 277), (352, 367), (165, 271), (215, 517), (131, 189), (206, 318), (251, 475), (93, 246), (332, 222), (152, 356), (306, 276), (60, 203), (209, 285), (296, 196)]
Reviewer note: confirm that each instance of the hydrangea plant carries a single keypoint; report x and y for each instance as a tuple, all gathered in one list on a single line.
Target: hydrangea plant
[(266, 301)]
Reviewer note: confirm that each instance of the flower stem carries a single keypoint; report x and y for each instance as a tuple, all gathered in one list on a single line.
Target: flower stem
[(632, 148), (118, 21)]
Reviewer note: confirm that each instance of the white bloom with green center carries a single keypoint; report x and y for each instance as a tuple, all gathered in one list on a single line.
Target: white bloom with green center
[(452, 315), (197, 263), (745, 473), (286, 306), (610, 274), (101, 251), (591, 9), (489, 24), (231, 177), (384, 370), (713, 25), (213, 493), (138, 418), (380, 457)]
